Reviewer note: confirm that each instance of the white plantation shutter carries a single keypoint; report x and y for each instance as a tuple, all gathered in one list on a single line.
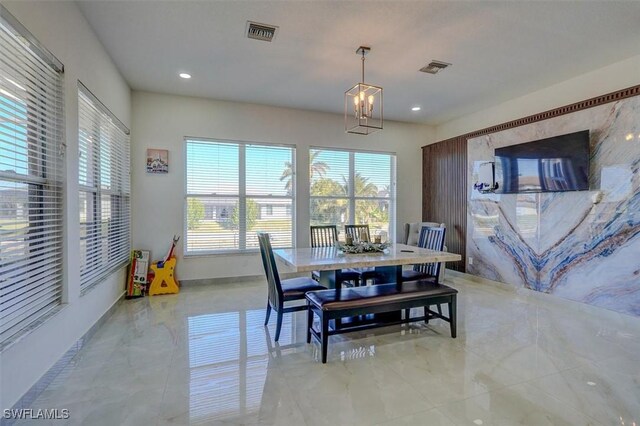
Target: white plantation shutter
[(31, 164), (233, 191), (104, 169), (353, 187)]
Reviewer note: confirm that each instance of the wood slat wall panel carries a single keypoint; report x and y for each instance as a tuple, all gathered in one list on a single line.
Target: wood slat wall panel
[(444, 182)]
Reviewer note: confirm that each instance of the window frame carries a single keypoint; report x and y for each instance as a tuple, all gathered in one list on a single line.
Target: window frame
[(33, 281), (351, 198), (241, 196), (118, 198)]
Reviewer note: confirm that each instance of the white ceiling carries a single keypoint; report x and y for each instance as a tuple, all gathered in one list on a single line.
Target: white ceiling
[(499, 50)]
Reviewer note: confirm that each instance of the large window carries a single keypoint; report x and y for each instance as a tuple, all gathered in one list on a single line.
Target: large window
[(234, 190), (349, 187), (104, 170), (31, 164)]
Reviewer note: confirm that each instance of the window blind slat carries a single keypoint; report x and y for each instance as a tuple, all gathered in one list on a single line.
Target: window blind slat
[(235, 190), (31, 228), (351, 187), (104, 170)]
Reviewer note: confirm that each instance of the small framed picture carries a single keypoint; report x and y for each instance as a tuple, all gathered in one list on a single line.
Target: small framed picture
[(157, 160)]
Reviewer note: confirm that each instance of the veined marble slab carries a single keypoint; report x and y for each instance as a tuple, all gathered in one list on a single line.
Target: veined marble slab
[(328, 258), (567, 243)]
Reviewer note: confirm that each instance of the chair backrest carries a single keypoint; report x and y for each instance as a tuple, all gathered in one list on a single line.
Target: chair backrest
[(324, 236), (412, 231), (270, 270), (355, 231), (431, 238)]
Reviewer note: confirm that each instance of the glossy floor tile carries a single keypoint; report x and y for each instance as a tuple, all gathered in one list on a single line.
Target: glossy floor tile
[(203, 357)]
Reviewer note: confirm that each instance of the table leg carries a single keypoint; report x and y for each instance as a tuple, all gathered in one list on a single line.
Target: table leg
[(391, 274), (330, 279)]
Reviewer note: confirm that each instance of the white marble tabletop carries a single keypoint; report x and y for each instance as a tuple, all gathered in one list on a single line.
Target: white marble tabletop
[(328, 259)]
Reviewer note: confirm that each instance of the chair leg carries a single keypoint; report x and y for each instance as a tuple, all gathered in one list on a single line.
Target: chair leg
[(407, 314), (266, 319), (279, 325), (325, 337), (453, 316), (426, 315), (309, 322), (439, 309)]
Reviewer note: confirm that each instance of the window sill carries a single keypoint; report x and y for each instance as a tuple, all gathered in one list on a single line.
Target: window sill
[(229, 253), (16, 338)]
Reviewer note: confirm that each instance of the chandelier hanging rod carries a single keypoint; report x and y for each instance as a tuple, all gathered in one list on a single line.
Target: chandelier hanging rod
[(363, 50)]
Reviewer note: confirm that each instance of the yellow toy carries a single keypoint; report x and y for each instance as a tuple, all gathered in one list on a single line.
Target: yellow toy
[(164, 281)]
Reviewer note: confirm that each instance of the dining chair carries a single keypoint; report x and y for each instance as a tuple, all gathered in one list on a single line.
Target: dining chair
[(281, 291), (431, 237), (356, 232), (326, 236), (412, 237)]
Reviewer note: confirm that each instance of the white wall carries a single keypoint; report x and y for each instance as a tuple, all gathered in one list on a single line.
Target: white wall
[(162, 121), (608, 79), (62, 29)]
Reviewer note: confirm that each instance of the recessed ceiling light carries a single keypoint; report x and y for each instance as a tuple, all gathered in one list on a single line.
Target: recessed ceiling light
[(416, 108), (185, 75)]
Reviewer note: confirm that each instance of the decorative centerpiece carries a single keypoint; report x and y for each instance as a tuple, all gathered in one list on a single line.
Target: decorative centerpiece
[(362, 247)]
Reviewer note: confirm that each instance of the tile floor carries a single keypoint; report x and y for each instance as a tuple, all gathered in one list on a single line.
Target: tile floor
[(203, 357)]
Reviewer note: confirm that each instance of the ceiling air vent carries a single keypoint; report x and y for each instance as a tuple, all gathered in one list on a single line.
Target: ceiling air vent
[(262, 32), (434, 66)]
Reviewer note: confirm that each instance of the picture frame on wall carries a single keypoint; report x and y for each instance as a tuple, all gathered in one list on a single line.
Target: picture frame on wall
[(157, 161)]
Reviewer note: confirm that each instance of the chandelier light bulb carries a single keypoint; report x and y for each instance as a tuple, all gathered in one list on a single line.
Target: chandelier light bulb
[(371, 100), (362, 96), (356, 101)]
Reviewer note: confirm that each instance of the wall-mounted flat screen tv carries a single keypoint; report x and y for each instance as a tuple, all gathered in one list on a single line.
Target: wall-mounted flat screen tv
[(556, 164)]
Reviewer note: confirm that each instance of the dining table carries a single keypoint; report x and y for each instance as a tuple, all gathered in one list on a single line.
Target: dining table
[(330, 261)]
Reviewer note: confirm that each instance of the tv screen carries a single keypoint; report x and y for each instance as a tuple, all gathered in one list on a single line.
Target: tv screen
[(554, 164)]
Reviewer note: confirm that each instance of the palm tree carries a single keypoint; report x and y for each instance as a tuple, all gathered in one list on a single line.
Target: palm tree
[(318, 168), (361, 185)]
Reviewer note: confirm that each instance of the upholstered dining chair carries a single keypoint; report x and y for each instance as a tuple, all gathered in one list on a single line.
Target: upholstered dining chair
[(281, 291), (412, 237), (431, 238), (326, 236)]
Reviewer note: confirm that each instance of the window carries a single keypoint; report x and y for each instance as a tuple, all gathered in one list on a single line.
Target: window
[(105, 240), (350, 187), (31, 164), (234, 190)]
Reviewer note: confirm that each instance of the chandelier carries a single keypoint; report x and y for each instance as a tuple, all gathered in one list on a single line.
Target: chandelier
[(363, 105)]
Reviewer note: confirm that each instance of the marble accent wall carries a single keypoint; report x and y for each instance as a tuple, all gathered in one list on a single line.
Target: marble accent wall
[(570, 244)]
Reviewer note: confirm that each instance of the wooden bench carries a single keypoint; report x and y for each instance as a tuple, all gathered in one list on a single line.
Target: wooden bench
[(335, 304)]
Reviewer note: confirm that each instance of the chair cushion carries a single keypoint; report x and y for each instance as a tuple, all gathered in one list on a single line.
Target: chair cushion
[(295, 288), (377, 295), (414, 275), (347, 275)]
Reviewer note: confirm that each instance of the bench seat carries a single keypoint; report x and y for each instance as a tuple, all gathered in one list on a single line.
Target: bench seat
[(335, 304)]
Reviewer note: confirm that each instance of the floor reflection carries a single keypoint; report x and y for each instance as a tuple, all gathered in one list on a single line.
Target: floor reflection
[(228, 360)]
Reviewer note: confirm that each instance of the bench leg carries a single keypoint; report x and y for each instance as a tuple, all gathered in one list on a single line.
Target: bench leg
[(309, 322), (452, 316), (325, 337)]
